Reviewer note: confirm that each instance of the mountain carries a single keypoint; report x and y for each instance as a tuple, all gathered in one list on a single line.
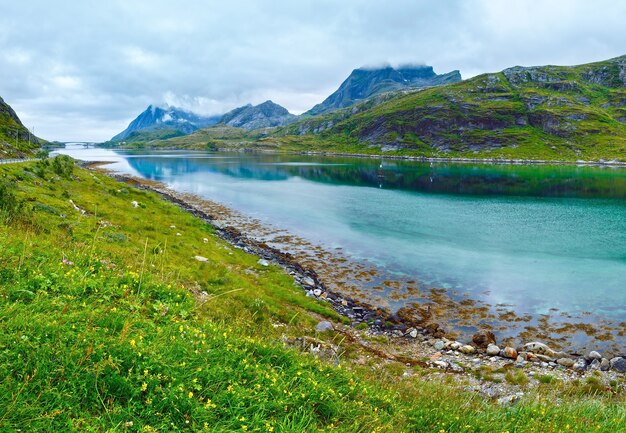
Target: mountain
[(174, 120), (364, 83), (541, 112), (15, 140), (265, 115)]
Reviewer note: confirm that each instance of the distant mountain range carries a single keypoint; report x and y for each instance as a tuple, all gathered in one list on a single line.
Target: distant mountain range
[(363, 83), (170, 118), (540, 112), (163, 123), (15, 140)]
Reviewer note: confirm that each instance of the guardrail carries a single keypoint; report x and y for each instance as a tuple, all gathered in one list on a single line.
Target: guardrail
[(15, 161)]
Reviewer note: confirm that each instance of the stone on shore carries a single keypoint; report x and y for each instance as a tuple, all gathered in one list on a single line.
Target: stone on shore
[(324, 326), (467, 349), (510, 352), (263, 262), (540, 349), (308, 281), (493, 350), (594, 355), (605, 364), (566, 362), (455, 345), (580, 365), (618, 364)]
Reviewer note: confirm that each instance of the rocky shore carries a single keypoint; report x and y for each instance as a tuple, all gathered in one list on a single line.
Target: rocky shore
[(413, 344)]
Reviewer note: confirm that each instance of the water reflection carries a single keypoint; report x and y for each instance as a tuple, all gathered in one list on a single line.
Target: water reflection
[(440, 178)]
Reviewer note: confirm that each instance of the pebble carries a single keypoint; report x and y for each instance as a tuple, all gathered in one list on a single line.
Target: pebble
[(605, 364), (441, 364), (566, 362), (308, 281), (594, 355), (413, 333), (317, 292), (201, 259), (493, 350), (324, 326), (263, 262), (439, 345), (467, 349), (456, 345), (580, 365), (134, 204)]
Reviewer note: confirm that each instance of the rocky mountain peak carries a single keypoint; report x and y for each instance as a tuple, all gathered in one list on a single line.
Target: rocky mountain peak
[(363, 83), (265, 115), (155, 118)]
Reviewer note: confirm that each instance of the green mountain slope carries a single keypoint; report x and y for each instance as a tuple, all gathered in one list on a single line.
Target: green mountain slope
[(549, 112), (15, 140)]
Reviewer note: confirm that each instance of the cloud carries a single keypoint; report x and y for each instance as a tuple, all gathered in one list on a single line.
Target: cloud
[(84, 70)]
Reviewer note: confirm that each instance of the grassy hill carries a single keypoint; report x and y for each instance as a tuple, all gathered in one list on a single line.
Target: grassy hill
[(110, 323), (548, 112), (15, 140), (211, 138)]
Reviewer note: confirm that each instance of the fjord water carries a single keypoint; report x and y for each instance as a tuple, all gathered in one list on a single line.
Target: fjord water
[(532, 237)]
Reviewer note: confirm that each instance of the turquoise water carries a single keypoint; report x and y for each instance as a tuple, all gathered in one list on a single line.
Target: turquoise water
[(533, 237)]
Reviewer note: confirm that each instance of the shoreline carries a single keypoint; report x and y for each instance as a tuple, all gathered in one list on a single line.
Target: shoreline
[(488, 161), (493, 161), (377, 320)]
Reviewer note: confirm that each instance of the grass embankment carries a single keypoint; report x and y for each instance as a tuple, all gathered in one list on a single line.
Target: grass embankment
[(104, 327)]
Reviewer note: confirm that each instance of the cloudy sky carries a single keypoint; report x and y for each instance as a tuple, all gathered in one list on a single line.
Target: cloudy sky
[(83, 69)]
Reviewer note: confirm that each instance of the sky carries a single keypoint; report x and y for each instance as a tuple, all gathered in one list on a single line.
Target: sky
[(82, 70)]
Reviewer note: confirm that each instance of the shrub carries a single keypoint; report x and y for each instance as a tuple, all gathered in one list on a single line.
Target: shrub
[(10, 206), (63, 165)]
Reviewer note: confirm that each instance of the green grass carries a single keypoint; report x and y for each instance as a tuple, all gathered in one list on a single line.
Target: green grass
[(104, 327)]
